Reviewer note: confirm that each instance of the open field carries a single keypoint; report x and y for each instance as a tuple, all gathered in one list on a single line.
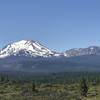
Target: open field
[(54, 86)]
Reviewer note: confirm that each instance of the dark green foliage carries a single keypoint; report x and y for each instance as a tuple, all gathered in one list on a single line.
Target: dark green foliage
[(33, 87), (83, 87), (4, 78)]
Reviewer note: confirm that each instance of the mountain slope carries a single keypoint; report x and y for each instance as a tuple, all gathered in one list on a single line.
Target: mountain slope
[(30, 55), (31, 48), (92, 50), (25, 48)]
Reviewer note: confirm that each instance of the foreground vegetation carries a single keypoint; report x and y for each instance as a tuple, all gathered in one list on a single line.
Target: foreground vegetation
[(52, 86)]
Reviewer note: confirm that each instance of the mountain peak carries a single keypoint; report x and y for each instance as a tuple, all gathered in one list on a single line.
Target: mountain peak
[(32, 48), (25, 48), (91, 50)]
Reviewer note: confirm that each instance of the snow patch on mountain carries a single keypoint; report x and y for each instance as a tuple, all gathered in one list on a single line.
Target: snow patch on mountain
[(92, 50), (25, 48), (32, 48)]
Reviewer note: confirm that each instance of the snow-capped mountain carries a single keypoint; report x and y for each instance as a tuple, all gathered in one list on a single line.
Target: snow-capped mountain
[(92, 50), (30, 55), (25, 48), (30, 48)]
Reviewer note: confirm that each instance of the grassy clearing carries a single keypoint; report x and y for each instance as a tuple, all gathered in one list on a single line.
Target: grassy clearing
[(47, 92), (48, 88)]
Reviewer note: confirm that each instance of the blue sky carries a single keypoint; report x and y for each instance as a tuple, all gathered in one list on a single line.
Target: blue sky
[(58, 24)]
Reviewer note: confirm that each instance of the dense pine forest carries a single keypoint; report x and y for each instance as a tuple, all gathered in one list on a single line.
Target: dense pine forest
[(49, 86)]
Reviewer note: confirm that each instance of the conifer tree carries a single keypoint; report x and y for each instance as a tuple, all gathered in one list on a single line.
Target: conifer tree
[(33, 86), (83, 87)]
